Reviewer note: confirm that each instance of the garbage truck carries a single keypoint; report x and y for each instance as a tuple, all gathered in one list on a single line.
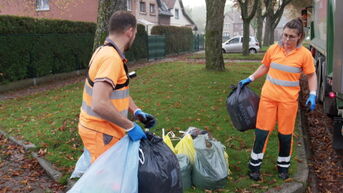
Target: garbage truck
[(324, 19)]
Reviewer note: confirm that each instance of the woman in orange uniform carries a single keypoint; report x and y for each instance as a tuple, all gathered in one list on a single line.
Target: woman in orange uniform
[(284, 62)]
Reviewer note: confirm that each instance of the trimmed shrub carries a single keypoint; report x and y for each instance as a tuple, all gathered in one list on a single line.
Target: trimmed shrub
[(178, 39), (32, 47), (139, 49), (27, 25)]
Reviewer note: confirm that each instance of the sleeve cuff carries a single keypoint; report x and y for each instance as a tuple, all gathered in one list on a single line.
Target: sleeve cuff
[(313, 92)]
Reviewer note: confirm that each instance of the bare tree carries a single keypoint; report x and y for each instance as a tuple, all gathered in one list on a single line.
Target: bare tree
[(260, 15), (274, 11), (214, 33), (106, 9), (248, 10)]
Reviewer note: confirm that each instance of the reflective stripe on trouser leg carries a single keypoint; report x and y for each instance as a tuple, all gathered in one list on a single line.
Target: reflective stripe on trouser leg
[(261, 140), (285, 149), (287, 114)]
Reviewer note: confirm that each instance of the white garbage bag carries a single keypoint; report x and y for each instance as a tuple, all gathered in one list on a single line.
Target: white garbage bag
[(115, 171)]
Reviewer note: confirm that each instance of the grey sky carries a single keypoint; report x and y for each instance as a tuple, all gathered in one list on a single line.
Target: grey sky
[(193, 3)]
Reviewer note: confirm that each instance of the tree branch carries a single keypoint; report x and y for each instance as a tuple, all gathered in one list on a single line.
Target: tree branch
[(252, 13)]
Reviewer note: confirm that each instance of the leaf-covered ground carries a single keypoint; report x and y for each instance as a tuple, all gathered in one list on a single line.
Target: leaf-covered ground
[(326, 164), (19, 172)]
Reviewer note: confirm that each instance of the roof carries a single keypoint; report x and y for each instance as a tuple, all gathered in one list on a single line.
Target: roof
[(187, 17), (163, 8), (170, 3)]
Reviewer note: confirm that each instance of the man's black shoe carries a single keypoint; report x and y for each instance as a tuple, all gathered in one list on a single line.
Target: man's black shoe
[(283, 175), (254, 175)]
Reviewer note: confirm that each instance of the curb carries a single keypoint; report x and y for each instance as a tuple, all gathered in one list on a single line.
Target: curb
[(46, 165), (299, 183), (37, 81)]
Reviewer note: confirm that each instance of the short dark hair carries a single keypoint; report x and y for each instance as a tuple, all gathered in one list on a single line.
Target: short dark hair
[(297, 24), (121, 21)]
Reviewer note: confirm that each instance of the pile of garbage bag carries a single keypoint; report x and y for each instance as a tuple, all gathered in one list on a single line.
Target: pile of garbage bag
[(202, 159), (145, 166), (154, 165)]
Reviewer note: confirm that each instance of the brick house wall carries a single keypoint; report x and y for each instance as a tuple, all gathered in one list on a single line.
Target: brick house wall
[(75, 10)]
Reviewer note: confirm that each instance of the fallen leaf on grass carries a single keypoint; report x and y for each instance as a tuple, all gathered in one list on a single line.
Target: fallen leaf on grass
[(255, 185), (42, 152), (289, 180)]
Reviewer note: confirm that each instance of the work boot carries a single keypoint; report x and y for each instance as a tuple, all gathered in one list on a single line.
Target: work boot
[(283, 175), (254, 175)]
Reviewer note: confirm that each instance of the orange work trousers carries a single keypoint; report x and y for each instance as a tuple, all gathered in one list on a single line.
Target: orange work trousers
[(270, 112), (95, 142)]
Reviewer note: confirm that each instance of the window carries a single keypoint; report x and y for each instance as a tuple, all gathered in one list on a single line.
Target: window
[(234, 41), (42, 5), (142, 6), (129, 5), (176, 13), (242, 39), (152, 8)]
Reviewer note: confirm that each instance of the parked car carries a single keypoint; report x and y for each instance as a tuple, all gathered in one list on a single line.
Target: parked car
[(235, 44)]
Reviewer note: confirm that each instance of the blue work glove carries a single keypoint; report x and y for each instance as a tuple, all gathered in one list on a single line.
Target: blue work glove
[(311, 99), (244, 82), (136, 133), (148, 120)]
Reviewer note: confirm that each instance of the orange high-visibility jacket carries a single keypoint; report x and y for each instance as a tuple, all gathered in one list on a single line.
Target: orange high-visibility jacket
[(107, 64), (282, 82)]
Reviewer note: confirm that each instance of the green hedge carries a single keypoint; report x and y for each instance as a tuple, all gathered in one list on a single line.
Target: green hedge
[(140, 45), (32, 47), (178, 39), (27, 25), (36, 47)]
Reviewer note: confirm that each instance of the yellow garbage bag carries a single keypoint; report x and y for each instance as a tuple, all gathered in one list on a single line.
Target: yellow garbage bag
[(185, 146), (167, 141)]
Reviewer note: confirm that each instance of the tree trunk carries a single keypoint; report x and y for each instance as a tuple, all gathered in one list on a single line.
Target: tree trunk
[(267, 31), (214, 33), (271, 38), (259, 23), (246, 37), (247, 17), (105, 10), (272, 19)]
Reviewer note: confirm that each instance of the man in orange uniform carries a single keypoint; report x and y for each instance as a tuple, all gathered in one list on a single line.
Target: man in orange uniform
[(283, 63), (106, 100)]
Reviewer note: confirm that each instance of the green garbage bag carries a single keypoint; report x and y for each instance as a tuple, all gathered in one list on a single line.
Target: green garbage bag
[(186, 171), (210, 169)]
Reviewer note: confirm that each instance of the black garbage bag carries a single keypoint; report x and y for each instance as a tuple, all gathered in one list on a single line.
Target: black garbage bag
[(159, 169), (242, 105)]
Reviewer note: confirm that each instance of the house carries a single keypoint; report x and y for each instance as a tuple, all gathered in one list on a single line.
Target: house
[(233, 24), (164, 13), (76, 10), (148, 12), (180, 17)]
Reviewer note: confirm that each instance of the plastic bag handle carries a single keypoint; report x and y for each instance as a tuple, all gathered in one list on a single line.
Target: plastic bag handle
[(141, 159)]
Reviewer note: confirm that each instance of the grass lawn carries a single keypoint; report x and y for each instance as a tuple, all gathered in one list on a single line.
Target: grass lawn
[(232, 56), (178, 94)]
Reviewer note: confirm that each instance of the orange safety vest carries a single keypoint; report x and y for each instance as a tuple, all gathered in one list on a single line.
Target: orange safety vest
[(282, 81), (107, 64)]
